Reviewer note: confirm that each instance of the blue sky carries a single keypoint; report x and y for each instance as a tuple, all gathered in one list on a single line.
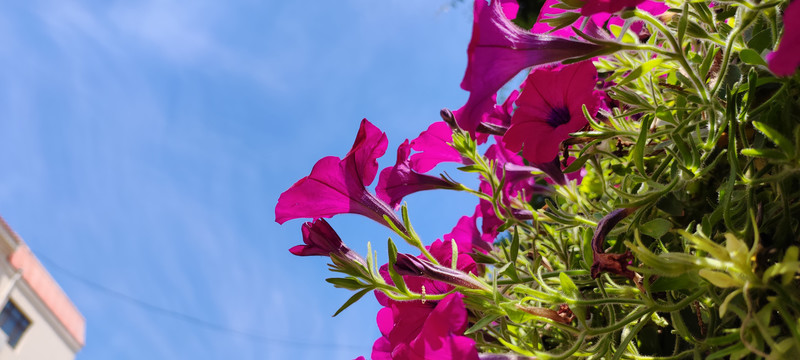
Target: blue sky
[(145, 143)]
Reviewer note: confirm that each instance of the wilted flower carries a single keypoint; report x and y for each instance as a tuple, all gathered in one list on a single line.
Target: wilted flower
[(612, 263)]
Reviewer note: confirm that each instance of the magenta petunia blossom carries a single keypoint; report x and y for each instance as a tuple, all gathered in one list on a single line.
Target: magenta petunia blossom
[(442, 251), (467, 235), (497, 51), (550, 108), (591, 7), (338, 186), (321, 240), (514, 180), (433, 148), (491, 222), (785, 60), (414, 266), (400, 180), (430, 331), (593, 23), (501, 114), (406, 331)]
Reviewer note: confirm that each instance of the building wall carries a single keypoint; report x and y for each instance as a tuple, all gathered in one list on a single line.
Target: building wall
[(44, 338)]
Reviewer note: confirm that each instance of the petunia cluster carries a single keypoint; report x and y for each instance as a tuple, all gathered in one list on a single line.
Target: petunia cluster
[(636, 190)]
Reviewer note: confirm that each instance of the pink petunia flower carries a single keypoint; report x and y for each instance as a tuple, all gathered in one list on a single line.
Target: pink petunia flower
[(430, 331), (785, 60), (321, 240), (400, 180), (550, 108), (591, 7), (433, 148), (425, 330), (497, 51), (594, 22), (501, 114), (467, 235), (491, 222), (338, 186)]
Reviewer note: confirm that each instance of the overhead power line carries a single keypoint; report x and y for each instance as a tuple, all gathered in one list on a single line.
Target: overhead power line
[(184, 317)]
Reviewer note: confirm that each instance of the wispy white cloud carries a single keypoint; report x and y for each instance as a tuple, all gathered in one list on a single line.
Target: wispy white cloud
[(134, 165)]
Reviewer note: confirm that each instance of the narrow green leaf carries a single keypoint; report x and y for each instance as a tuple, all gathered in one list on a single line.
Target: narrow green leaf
[(568, 286), (776, 137), (399, 283), (562, 21), (486, 320), (345, 283), (683, 21), (515, 245), (352, 300), (719, 279), (575, 4), (633, 75), (638, 150)]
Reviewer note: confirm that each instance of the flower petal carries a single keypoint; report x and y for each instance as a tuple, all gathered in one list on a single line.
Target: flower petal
[(498, 51)]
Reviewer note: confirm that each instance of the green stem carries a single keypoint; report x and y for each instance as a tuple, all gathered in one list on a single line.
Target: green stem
[(726, 57), (678, 55)]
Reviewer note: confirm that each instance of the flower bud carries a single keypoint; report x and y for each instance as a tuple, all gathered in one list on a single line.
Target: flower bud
[(321, 240), (413, 266)]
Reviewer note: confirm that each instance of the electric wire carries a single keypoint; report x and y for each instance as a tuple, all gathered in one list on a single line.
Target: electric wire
[(184, 317)]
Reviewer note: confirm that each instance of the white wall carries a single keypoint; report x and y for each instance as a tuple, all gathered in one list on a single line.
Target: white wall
[(44, 338)]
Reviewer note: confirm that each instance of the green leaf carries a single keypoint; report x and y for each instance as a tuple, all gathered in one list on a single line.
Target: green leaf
[(514, 246), (588, 254), (640, 70), (791, 255), (684, 281), (656, 228), (346, 283), (571, 291), (776, 137), (578, 163), (515, 314), (637, 154), (751, 57), (719, 279), (562, 21), (568, 286), (626, 38), (683, 21), (486, 320), (761, 40), (696, 31), (470, 168), (352, 300), (575, 4), (398, 281)]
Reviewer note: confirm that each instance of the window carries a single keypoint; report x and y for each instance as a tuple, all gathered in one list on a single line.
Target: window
[(13, 322)]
